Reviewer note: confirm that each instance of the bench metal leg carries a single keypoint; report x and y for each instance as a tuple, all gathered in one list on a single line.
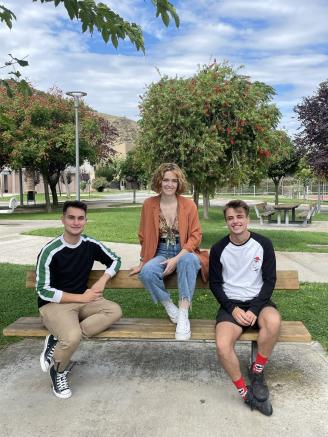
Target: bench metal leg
[(254, 351)]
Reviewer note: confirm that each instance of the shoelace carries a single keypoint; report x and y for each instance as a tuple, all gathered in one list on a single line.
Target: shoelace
[(61, 381), (51, 352)]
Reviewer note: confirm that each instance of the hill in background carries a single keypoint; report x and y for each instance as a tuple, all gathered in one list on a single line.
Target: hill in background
[(127, 130)]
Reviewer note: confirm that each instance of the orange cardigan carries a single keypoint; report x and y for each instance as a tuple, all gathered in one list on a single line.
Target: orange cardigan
[(189, 230)]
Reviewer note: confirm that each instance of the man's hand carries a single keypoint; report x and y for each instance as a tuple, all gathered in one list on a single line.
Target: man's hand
[(171, 265), (92, 294), (241, 316), (251, 317)]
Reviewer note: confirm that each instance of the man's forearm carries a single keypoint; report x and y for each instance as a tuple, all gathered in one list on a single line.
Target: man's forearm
[(72, 297)]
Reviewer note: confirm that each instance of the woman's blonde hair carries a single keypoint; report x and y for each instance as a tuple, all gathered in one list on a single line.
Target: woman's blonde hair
[(156, 182)]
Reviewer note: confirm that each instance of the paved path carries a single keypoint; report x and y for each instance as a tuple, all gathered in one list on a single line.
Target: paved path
[(160, 389), (23, 249)]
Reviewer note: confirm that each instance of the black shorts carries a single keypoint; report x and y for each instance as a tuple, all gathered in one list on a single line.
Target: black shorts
[(224, 316)]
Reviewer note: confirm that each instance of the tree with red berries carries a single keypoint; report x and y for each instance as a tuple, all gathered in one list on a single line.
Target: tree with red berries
[(217, 125), (41, 134)]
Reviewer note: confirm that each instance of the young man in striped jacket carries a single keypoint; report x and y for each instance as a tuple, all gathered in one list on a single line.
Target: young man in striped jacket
[(70, 310)]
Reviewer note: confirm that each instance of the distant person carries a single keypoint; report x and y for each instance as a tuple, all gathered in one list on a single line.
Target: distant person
[(242, 277), (70, 310), (170, 235)]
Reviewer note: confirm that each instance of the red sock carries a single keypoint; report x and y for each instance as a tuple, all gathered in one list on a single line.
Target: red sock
[(241, 387), (259, 363)]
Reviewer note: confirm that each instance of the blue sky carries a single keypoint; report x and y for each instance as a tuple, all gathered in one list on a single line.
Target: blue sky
[(282, 43)]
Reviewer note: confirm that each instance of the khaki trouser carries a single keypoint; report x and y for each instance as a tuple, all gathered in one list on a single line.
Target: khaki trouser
[(69, 322)]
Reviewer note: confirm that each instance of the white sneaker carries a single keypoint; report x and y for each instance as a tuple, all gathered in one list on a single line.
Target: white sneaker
[(183, 331), (172, 310)]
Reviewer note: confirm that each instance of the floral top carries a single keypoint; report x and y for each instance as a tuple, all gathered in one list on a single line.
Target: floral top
[(170, 233)]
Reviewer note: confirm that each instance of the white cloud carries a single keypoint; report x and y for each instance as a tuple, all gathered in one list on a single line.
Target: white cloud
[(281, 43)]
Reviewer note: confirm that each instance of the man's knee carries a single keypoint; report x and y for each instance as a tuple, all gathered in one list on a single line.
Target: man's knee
[(71, 339), (114, 310), (270, 321), (224, 345)]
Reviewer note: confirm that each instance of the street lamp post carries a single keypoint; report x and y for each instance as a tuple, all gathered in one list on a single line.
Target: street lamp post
[(77, 95)]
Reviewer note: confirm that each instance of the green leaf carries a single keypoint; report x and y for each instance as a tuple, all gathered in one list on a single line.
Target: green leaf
[(165, 18), (21, 62), (15, 73), (114, 40), (105, 35)]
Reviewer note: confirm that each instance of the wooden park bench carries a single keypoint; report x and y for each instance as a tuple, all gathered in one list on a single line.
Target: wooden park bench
[(305, 217), (163, 329), (263, 211), (11, 206)]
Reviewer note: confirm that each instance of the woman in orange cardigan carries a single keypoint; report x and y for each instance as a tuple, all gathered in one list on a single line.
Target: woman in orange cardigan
[(170, 235)]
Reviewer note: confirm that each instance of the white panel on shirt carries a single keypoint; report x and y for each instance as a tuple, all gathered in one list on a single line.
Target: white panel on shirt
[(241, 270)]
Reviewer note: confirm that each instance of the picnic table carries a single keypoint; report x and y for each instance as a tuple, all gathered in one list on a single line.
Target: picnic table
[(285, 208)]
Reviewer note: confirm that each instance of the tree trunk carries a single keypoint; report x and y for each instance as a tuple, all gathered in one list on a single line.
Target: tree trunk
[(21, 192), (196, 197), (276, 182), (206, 204), (46, 192), (54, 194), (319, 195), (68, 194), (276, 192), (134, 196)]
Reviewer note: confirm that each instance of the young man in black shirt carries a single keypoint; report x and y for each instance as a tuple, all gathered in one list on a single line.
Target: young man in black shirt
[(242, 277), (70, 310)]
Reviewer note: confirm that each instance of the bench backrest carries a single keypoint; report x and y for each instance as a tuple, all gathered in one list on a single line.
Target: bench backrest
[(286, 280), (259, 207)]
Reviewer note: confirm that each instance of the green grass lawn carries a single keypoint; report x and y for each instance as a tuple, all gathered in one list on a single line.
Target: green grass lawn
[(121, 225), (308, 305)]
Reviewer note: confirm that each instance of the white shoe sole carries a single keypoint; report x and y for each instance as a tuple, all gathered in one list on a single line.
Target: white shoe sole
[(182, 337), (60, 395), (44, 363)]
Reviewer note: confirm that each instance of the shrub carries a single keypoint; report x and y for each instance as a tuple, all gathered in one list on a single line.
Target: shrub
[(100, 184)]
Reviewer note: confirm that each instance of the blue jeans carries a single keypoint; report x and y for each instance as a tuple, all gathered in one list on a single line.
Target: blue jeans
[(151, 274)]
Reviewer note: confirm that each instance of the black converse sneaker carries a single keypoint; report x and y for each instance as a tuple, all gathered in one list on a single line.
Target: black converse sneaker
[(60, 385), (259, 386), (263, 407), (48, 351)]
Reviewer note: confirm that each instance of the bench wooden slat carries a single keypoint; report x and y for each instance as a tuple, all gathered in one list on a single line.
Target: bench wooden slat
[(136, 328), (286, 280)]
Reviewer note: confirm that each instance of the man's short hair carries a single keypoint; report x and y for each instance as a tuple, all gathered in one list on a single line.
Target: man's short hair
[(74, 204), (235, 204)]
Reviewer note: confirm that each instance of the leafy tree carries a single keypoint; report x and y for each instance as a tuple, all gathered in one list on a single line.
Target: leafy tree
[(92, 15), (284, 160), (42, 135), (304, 174), (312, 140), (216, 125), (133, 172), (106, 171), (100, 16)]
